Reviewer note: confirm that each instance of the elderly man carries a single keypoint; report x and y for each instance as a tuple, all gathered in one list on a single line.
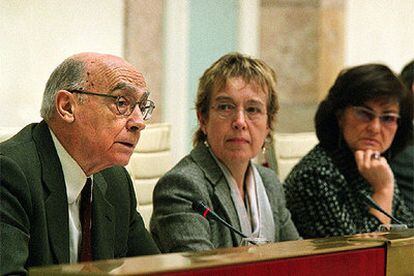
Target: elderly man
[(64, 195)]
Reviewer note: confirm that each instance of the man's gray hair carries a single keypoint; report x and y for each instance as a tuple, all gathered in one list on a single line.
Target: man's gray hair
[(69, 75)]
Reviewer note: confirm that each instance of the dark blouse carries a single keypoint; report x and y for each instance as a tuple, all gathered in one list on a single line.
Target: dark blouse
[(323, 194)]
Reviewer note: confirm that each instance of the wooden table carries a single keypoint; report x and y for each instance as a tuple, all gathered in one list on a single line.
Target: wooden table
[(389, 253)]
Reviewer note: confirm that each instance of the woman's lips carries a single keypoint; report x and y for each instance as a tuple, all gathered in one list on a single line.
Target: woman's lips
[(371, 142), (238, 140)]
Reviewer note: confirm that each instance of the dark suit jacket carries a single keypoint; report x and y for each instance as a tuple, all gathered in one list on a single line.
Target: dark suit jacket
[(403, 168), (176, 227), (34, 208)]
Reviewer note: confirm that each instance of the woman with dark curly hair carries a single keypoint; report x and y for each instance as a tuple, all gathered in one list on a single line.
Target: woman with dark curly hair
[(363, 122)]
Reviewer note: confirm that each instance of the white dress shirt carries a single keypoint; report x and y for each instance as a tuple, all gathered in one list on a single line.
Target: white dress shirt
[(75, 180)]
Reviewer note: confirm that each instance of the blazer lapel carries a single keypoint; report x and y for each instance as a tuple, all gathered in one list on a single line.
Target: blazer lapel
[(103, 221), (225, 203), (56, 203), (222, 194)]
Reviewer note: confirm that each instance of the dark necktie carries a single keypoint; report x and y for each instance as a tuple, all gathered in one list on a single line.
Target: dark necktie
[(85, 252)]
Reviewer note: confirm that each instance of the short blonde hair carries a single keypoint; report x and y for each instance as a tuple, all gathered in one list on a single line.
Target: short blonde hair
[(235, 65)]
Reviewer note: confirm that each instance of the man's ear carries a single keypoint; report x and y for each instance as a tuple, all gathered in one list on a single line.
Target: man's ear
[(65, 105), (202, 122)]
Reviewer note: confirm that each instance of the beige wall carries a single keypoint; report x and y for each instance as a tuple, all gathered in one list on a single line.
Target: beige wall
[(309, 41), (37, 35), (303, 40), (144, 44), (289, 43), (379, 31)]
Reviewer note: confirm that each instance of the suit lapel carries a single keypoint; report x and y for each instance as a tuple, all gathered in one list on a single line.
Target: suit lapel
[(222, 194), (56, 204), (103, 221), (225, 203)]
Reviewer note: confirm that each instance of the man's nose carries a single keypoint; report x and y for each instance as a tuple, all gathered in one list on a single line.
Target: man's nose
[(135, 120)]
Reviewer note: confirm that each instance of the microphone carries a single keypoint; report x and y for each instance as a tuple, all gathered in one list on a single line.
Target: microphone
[(206, 212), (371, 203)]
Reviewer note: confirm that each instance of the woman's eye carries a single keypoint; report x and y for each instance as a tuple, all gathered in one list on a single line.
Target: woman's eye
[(254, 110), (388, 118), (365, 115), (225, 107)]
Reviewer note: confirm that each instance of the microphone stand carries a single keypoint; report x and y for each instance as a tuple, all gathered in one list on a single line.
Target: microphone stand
[(371, 203), (206, 212)]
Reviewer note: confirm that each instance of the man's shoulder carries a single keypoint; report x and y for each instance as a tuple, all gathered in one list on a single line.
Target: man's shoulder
[(116, 174), (21, 148), (23, 138), (115, 171)]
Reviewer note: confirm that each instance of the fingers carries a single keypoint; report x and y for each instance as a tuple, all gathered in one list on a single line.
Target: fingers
[(375, 156), (375, 169), (359, 158), (367, 158)]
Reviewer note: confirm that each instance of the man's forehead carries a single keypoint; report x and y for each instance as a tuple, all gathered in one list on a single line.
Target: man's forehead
[(90, 57), (128, 90), (101, 62), (110, 71)]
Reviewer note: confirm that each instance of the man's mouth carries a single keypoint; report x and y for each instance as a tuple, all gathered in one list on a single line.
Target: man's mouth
[(127, 144)]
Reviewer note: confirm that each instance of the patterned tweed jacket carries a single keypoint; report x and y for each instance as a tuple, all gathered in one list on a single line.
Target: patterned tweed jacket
[(323, 193)]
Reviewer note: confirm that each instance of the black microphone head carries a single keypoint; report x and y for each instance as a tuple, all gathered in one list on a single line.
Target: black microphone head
[(206, 212), (199, 206), (203, 209)]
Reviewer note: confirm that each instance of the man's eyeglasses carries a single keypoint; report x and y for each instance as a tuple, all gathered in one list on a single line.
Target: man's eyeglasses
[(366, 115), (124, 105), (229, 110)]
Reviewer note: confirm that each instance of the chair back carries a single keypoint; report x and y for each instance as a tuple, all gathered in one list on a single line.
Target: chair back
[(290, 148), (151, 159)]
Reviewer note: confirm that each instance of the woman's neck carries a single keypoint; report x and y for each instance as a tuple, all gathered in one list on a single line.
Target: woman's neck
[(238, 171)]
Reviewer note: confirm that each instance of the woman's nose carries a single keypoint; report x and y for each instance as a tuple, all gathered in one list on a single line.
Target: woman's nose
[(374, 124), (239, 120)]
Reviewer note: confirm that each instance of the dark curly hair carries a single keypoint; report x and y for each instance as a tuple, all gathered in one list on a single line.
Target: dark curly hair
[(355, 86)]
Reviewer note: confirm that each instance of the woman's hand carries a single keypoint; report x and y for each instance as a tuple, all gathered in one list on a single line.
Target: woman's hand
[(375, 169)]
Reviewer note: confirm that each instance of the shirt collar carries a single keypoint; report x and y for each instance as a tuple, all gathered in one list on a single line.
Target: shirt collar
[(75, 178)]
